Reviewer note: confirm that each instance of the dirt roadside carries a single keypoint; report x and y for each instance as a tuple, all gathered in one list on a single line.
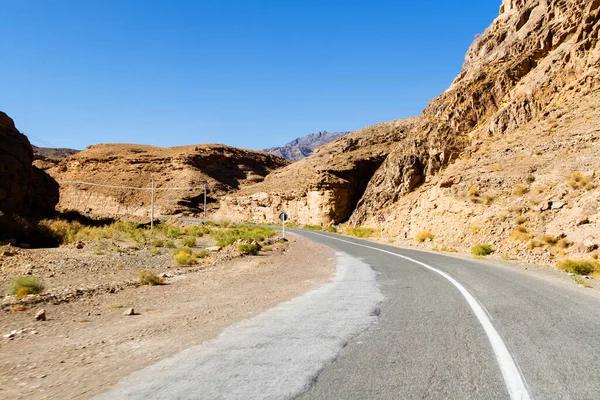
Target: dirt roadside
[(87, 345)]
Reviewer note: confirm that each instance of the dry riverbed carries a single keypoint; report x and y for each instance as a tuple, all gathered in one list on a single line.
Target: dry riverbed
[(87, 344)]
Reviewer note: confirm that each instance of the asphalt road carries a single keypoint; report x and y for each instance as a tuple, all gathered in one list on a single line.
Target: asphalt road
[(429, 344), (398, 324)]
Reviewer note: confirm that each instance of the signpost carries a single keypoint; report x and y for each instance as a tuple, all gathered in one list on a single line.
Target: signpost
[(283, 217), (381, 220)]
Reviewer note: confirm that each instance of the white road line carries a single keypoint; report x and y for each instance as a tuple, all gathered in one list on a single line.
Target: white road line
[(515, 383)]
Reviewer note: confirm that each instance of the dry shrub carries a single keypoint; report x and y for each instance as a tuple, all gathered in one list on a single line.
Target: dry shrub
[(148, 277), (550, 240), (482, 250), (423, 236), (580, 267), (475, 228), (577, 180), (520, 190), (185, 258), (22, 286), (520, 220), (520, 234)]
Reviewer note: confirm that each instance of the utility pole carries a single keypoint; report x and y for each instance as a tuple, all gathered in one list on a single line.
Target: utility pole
[(152, 207), (205, 183)]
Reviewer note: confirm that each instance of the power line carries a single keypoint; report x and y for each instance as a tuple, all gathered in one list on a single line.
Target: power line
[(42, 141)]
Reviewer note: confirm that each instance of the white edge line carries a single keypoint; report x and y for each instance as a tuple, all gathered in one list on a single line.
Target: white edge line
[(515, 383)]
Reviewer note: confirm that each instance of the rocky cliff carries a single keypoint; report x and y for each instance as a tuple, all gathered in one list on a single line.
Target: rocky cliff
[(304, 147), (507, 155), (24, 189), (110, 167), (323, 188)]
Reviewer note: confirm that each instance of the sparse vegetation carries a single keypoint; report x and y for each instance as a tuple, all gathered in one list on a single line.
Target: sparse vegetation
[(482, 250), (154, 251), (577, 181), (578, 280), (202, 254), (361, 232), (520, 220), (148, 277), (331, 229), (312, 227), (169, 244), (246, 234), (249, 248), (520, 190), (423, 236), (520, 234), (580, 267), (185, 258), (158, 243), (189, 241), (22, 286)]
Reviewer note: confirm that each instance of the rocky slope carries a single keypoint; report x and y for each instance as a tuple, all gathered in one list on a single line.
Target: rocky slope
[(24, 189), (305, 146), (224, 168), (508, 154), (323, 188)]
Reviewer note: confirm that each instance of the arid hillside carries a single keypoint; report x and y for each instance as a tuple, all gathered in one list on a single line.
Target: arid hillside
[(323, 188), (508, 155), (47, 157), (113, 166)]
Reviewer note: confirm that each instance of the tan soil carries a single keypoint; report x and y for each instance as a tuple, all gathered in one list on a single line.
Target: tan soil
[(88, 345)]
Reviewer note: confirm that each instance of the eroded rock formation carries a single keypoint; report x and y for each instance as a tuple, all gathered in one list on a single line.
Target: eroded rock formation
[(24, 189)]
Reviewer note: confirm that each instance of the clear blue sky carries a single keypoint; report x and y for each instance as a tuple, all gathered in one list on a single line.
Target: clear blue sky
[(251, 73)]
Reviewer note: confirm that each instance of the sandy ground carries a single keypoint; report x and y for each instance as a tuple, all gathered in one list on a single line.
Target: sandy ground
[(87, 345)]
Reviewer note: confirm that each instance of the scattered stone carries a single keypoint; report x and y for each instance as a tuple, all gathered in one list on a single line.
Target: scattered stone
[(584, 221), (165, 275), (557, 205), (129, 311), (79, 245), (41, 315), (213, 248)]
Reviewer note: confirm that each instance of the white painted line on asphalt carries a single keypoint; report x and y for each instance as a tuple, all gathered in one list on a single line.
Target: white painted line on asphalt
[(515, 383)]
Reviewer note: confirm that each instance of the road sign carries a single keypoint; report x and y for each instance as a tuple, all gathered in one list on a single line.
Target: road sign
[(283, 216), (381, 218)]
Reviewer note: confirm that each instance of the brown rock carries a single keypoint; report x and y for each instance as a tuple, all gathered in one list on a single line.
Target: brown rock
[(40, 315)]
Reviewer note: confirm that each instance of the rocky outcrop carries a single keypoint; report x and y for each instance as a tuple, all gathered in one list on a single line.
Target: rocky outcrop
[(46, 157), (24, 189), (305, 146), (112, 171), (535, 54), (323, 188)]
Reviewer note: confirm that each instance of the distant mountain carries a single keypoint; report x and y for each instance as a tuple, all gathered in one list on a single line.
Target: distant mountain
[(53, 153), (304, 146)]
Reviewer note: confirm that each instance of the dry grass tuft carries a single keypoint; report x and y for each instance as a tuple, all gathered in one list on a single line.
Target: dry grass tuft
[(424, 236), (520, 234), (22, 286), (580, 267), (520, 190), (148, 277)]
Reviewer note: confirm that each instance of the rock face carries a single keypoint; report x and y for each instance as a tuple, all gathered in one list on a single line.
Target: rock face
[(24, 189), (113, 166), (535, 54), (507, 155), (323, 188), (305, 146)]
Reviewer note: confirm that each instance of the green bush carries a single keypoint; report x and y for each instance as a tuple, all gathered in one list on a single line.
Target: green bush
[(169, 244), (202, 254), (197, 231), (173, 232), (482, 250), (154, 251), (189, 241), (148, 277), (158, 243), (185, 258), (249, 248), (291, 225), (361, 232), (247, 234), (312, 227), (331, 229), (21, 286), (580, 267)]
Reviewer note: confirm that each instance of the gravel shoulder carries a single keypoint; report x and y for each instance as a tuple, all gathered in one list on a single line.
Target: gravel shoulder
[(88, 344)]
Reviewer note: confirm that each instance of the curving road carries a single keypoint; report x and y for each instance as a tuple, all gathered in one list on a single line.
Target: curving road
[(398, 324), (429, 344)]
